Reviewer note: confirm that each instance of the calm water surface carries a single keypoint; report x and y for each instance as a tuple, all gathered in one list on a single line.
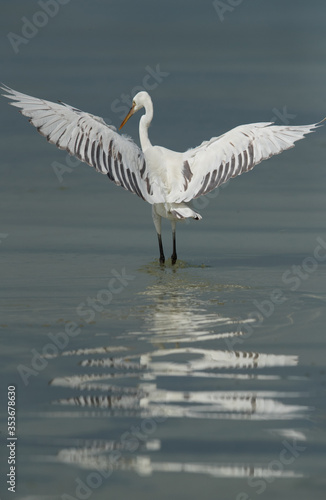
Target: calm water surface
[(206, 379)]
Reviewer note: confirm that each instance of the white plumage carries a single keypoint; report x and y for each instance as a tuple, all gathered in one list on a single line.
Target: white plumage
[(166, 179)]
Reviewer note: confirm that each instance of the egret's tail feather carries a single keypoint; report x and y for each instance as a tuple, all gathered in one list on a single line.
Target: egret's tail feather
[(185, 213)]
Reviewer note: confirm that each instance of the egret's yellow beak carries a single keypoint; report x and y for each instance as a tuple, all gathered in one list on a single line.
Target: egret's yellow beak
[(131, 112)]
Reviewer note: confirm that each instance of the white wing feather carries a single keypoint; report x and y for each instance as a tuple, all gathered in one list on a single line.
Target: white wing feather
[(214, 162), (177, 177), (91, 140)]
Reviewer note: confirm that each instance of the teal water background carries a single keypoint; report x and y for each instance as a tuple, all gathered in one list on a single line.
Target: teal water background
[(204, 380)]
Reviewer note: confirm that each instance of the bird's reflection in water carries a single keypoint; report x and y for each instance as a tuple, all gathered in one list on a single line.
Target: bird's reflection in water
[(98, 458), (146, 399), (184, 340), (177, 308)]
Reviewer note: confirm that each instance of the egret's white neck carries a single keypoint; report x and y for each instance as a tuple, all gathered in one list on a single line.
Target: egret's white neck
[(144, 124)]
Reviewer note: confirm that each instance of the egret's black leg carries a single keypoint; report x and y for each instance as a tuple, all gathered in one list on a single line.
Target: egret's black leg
[(174, 251), (157, 224), (160, 244)]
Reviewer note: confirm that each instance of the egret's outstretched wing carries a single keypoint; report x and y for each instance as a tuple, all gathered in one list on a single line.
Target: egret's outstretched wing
[(239, 150), (91, 140)]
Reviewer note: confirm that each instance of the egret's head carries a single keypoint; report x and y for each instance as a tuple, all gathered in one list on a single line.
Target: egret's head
[(139, 101)]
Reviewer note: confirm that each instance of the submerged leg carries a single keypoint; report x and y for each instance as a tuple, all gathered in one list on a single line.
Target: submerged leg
[(157, 224), (174, 251), (160, 245)]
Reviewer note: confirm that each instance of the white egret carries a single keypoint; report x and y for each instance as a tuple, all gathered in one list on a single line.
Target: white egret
[(166, 179)]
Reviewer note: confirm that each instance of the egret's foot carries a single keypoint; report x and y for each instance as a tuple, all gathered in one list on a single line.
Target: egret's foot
[(162, 260), (173, 259)]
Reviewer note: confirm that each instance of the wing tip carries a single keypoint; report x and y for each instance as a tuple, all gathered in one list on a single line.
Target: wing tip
[(319, 124), (9, 91)]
